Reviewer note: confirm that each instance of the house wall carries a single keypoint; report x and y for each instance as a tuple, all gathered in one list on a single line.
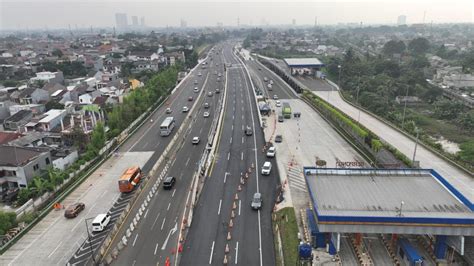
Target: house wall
[(63, 163), (26, 173)]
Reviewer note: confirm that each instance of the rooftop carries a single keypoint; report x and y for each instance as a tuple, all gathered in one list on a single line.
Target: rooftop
[(51, 114), (16, 156), (303, 62)]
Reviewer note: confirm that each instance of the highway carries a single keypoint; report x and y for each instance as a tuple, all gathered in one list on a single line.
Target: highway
[(251, 235), (156, 236), (54, 240)]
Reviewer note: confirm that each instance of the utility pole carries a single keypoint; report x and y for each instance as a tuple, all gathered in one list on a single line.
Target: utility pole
[(416, 145), (404, 109)]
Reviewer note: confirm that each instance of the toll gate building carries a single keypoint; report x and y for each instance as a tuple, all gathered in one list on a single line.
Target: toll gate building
[(305, 66), (394, 202)]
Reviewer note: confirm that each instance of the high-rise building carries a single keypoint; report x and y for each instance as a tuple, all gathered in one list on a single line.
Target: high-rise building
[(183, 23), (142, 21), (402, 20), (135, 21), (293, 22), (121, 20)]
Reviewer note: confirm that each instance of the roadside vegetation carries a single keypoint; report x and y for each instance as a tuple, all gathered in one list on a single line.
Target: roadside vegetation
[(285, 220), (374, 82)]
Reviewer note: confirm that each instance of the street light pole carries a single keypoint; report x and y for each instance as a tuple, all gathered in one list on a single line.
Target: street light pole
[(416, 145), (404, 109), (89, 239)]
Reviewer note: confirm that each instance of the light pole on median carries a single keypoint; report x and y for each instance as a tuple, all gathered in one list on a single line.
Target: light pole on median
[(416, 145), (404, 109), (89, 238)]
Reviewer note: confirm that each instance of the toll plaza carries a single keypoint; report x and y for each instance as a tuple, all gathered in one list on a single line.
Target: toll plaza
[(398, 205), (304, 66)]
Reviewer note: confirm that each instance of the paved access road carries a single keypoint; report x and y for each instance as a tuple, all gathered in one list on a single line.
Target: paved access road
[(55, 239), (251, 240), (156, 236)]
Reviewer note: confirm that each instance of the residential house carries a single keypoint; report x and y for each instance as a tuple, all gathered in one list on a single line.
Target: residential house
[(30, 96), (51, 88), (54, 77), (410, 100), (6, 137), (172, 57), (51, 119), (17, 121), (19, 165), (142, 65), (62, 158), (5, 109), (36, 109)]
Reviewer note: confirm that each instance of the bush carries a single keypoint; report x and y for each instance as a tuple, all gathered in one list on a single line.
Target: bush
[(23, 196), (7, 221), (28, 217)]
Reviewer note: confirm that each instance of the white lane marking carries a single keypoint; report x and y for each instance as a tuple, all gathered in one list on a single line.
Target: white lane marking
[(219, 209), (242, 117), (228, 156), (163, 223), (146, 213), (187, 161), (174, 191), (240, 203), (156, 247), (212, 251), (169, 204), (230, 139), (233, 117), (155, 221), (54, 250), (232, 127), (135, 240), (172, 231), (236, 251), (225, 176), (242, 139), (242, 156), (242, 127)]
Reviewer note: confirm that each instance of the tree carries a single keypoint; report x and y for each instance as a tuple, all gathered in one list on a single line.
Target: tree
[(39, 186), (447, 109), (419, 46), (53, 105), (393, 47), (7, 221), (97, 139), (467, 151), (23, 196), (467, 121), (57, 52)]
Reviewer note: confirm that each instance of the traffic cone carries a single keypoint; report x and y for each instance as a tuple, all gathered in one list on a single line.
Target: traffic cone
[(234, 206), (250, 170), (226, 248), (242, 181), (229, 237), (253, 166), (180, 248), (236, 196), (232, 214), (167, 262), (239, 188), (231, 223), (225, 259), (246, 175)]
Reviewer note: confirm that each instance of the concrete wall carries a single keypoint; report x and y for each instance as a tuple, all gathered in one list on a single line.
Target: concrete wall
[(63, 163)]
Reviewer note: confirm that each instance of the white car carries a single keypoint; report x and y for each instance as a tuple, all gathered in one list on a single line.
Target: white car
[(168, 110), (278, 104), (266, 168), (100, 222), (185, 109), (195, 140), (199, 74), (206, 114), (196, 89), (271, 152), (275, 97)]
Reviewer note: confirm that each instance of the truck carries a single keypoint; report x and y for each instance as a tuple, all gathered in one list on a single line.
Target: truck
[(286, 110)]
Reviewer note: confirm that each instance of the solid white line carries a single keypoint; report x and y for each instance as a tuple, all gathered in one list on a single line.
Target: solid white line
[(169, 204), (239, 205), (228, 156), (163, 223), (174, 191), (230, 139), (232, 127), (212, 251), (135, 240), (54, 250), (242, 156), (233, 117), (156, 247), (242, 139), (187, 161), (146, 213), (236, 251), (219, 210), (242, 117)]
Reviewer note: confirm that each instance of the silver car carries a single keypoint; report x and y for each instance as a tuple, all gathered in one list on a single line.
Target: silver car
[(256, 201)]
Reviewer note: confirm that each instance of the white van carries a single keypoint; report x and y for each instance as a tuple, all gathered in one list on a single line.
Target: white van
[(266, 168), (100, 222)]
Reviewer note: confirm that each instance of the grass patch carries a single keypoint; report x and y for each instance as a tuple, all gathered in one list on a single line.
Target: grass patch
[(287, 225), (201, 48)]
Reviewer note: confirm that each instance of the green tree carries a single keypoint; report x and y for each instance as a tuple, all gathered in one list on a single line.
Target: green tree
[(419, 46), (23, 196), (393, 47), (467, 120), (39, 186), (467, 151), (7, 221), (55, 176), (57, 52), (53, 105), (447, 109), (97, 139)]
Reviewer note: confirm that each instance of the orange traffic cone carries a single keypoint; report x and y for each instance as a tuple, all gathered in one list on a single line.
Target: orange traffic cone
[(232, 214), (239, 188), (167, 262), (226, 248), (225, 259), (236, 196), (231, 223), (229, 237), (234, 206)]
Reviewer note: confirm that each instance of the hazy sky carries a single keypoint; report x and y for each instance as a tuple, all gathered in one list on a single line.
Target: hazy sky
[(34, 14)]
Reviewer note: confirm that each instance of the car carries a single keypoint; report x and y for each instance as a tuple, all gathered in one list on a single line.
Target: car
[(218, 91), (190, 98), (219, 75), (256, 203), (271, 152), (259, 68), (196, 89), (195, 140), (74, 210), (271, 82), (100, 222), (248, 131), (270, 87), (199, 74), (278, 104), (209, 94), (168, 111), (280, 118), (169, 182), (206, 105), (278, 138), (195, 82), (275, 97), (218, 79), (185, 109), (206, 114), (266, 168), (217, 64), (265, 79), (215, 72)]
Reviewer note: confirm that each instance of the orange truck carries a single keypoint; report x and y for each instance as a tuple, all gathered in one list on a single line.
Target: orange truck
[(129, 179)]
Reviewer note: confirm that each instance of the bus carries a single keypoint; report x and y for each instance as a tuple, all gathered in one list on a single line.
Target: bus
[(129, 179), (286, 110), (167, 126)]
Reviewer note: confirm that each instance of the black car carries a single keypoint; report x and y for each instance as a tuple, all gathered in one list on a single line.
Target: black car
[(169, 182), (248, 131), (278, 138)]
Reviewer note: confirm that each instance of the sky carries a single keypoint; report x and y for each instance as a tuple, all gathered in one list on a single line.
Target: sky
[(51, 14)]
